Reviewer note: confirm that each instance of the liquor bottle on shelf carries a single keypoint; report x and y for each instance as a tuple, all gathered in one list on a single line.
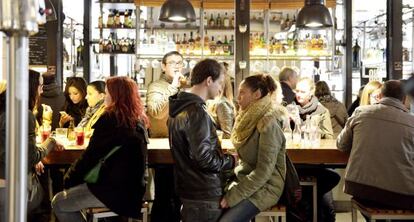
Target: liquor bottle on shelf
[(232, 20), (231, 45), (226, 21), (191, 44), (219, 22), (110, 21), (205, 20), (226, 46), (117, 22), (184, 45), (133, 22), (212, 46), (356, 57), (212, 22), (197, 44), (219, 46), (100, 22), (206, 44), (101, 46), (127, 20)]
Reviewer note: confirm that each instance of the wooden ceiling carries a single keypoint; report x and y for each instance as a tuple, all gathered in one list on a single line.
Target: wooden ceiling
[(229, 4)]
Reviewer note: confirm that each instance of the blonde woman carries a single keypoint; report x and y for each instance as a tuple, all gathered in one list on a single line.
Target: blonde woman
[(370, 93), (222, 109)]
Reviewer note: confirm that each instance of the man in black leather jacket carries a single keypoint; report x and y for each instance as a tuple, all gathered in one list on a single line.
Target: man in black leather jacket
[(199, 160)]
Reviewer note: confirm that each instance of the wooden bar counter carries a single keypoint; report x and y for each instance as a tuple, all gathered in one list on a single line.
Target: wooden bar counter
[(159, 153)]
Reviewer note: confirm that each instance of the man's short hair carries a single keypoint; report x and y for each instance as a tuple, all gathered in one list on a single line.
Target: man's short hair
[(393, 89), (286, 73), (164, 59), (205, 68)]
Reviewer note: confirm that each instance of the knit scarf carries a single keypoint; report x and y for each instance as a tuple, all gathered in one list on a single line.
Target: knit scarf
[(308, 108), (246, 121), (89, 113)]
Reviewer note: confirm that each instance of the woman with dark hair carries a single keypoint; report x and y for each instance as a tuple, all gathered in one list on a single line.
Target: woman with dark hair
[(76, 104), (35, 153), (337, 110), (95, 97), (260, 145), (121, 184)]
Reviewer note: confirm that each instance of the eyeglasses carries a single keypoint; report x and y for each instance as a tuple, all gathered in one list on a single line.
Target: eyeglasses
[(175, 63)]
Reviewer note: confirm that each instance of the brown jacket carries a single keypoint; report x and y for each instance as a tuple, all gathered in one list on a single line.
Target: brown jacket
[(337, 111), (157, 106)]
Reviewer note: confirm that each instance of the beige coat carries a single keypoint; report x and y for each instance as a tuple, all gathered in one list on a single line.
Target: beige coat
[(380, 139), (257, 177), (157, 106)]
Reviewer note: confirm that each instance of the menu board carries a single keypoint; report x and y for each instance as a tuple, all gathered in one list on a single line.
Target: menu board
[(38, 47)]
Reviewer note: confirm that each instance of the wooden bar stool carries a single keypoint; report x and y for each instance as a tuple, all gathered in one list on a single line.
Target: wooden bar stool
[(311, 181), (274, 213), (98, 213), (375, 213)]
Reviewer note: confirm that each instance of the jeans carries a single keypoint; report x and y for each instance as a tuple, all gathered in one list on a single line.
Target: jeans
[(67, 204), (200, 210), (242, 212)]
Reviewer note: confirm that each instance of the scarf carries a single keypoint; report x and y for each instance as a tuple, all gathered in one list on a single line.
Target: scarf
[(308, 108), (89, 113), (246, 121)]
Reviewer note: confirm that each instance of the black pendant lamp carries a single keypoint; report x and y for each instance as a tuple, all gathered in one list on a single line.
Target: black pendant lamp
[(314, 15), (177, 11)]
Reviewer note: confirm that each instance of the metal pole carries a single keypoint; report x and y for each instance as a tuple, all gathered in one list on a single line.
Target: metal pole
[(347, 77), (18, 18), (17, 128)]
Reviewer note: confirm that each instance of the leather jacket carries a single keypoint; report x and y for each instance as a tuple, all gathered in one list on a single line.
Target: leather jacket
[(199, 160)]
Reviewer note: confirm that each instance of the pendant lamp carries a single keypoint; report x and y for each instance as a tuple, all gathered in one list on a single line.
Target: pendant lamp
[(177, 11), (314, 15)]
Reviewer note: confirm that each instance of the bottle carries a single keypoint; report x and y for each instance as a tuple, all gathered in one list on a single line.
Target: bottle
[(219, 46), (110, 20), (231, 45), (356, 57), (205, 20), (100, 22), (297, 134), (226, 21), (232, 20), (287, 131), (212, 46), (212, 22), (117, 20), (71, 130), (219, 22), (79, 56), (226, 47), (191, 43)]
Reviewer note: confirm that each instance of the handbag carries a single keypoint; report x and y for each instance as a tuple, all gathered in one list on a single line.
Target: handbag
[(93, 175), (292, 191), (35, 192)]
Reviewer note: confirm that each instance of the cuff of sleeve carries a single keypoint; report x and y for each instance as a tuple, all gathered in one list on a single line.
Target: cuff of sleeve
[(173, 89), (232, 197), (49, 144)]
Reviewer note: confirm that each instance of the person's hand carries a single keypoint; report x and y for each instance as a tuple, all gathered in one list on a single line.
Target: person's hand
[(64, 118), (40, 168), (223, 203), (59, 146), (47, 112), (176, 80), (236, 158)]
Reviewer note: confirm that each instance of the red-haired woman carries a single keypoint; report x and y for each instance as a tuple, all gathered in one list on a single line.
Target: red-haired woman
[(121, 183)]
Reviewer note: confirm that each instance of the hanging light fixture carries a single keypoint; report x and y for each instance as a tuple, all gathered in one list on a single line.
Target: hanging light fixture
[(314, 15), (177, 11)]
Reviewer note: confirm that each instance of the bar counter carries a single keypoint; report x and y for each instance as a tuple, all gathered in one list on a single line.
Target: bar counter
[(159, 153)]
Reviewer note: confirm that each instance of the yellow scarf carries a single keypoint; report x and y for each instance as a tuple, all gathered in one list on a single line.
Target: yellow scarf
[(246, 121)]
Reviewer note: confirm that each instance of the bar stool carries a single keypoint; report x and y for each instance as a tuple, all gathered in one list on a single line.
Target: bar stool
[(98, 213), (374, 213), (274, 213)]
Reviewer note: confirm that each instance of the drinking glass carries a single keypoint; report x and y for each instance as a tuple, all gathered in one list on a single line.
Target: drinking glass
[(61, 133), (80, 136), (45, 131)]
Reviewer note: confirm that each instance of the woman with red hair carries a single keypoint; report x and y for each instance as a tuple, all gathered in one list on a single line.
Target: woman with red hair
[(121, 184)]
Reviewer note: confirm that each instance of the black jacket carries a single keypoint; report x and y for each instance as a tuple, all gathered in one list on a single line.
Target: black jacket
[(199, 160), (121, 183), (288, 94), (53, 96)]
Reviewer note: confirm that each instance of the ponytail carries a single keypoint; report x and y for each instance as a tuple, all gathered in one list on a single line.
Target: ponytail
[(262, 82)]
